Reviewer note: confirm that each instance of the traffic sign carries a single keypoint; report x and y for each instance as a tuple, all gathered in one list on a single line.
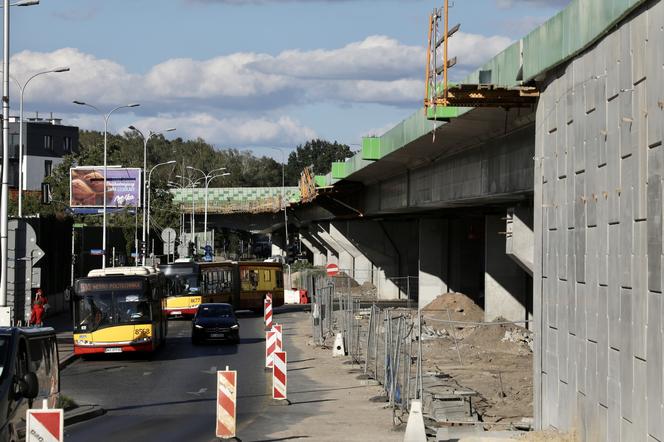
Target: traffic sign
[(44, 425), (168, 235), (97, 252), (332, 270)]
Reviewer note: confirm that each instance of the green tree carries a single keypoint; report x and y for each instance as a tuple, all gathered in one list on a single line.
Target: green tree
[(317, 153)]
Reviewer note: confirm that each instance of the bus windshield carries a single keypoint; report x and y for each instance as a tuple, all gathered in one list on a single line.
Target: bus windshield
[(102, 309), (183, 284)]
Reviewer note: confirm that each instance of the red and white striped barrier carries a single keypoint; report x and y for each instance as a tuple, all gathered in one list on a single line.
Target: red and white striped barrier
[(280, 343), (226, 401), (45, 425), (279, 376), (267, 309), (270, 347)]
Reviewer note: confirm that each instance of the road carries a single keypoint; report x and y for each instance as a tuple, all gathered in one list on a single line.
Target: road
[(172, 395)]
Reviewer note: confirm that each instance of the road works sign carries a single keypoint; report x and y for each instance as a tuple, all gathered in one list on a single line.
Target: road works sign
[(44, 426), (226, 402), (332, 270)]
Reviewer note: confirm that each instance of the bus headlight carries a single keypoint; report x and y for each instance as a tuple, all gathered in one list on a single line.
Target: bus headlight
[(198, 326), (235, 327), (143, 340), (83, 342)]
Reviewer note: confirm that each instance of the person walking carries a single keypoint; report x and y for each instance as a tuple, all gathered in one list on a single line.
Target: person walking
[(38, 308)]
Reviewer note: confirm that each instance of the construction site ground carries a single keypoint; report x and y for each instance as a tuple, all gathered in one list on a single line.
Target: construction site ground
[(494, 360)]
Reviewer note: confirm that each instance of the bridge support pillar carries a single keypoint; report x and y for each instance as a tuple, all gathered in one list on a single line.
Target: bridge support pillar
[(319, 252), (433, 260), (507, 287)]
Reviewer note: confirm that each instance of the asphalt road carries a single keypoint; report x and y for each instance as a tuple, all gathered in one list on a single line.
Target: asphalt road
[(171, 396)]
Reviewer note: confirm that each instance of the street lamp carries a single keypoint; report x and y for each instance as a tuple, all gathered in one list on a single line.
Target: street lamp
[(145, 167), (106, 118), (192, 184), (21, 162), (4, 199), (208, 178), (148, 206)]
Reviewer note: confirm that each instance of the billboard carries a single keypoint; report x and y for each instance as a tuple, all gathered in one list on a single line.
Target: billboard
[(123, 187)]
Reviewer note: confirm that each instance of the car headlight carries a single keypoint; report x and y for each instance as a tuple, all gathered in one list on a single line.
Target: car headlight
[(198, 326), (235, 327)]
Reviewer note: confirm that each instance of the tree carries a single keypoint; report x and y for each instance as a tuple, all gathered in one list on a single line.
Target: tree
[(319, 153)]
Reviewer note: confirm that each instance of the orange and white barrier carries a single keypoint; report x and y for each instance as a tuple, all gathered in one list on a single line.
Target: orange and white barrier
[(226, 401), (267, 309), (279, 376), (280, 343), (270, 347), (45, 425)]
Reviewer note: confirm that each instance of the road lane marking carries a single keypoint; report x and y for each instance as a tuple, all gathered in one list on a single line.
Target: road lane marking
[(199, 392)]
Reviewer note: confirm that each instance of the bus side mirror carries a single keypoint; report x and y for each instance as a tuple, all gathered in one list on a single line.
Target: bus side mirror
[(29, 386)]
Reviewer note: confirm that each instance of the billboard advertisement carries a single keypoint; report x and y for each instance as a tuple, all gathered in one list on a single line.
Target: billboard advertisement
[(123, 187)]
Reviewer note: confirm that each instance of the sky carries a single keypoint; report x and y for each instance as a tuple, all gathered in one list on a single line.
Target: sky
[(249, 74)]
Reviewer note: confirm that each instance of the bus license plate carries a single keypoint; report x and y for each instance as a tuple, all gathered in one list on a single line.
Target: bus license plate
[(113, 350), (217, 335)]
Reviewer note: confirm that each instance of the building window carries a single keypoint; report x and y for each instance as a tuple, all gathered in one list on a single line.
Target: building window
[(66, 144), (48, 142), (48, 168)]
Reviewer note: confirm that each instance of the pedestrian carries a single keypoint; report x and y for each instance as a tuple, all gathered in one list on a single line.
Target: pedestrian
[(38, 308)]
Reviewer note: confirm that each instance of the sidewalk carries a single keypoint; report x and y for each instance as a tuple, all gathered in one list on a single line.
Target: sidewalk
[(63, 325), (328, 401)]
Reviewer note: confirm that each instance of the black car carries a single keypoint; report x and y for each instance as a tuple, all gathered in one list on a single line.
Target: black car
[(215, 322)]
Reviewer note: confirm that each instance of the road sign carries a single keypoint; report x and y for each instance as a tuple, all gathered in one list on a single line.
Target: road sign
[(332, 270), (168, 235), (97, 252), (44, 425)]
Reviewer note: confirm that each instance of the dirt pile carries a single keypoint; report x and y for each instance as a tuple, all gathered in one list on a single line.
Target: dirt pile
[(459, 306)]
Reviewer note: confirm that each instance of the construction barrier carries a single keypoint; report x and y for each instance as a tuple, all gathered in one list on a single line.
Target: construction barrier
[(226, 401), (280, 343), (279, 376), (270, 347), (267, 309), (45, 425)]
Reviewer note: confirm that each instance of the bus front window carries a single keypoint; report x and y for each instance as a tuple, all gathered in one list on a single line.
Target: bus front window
[(103, 309)]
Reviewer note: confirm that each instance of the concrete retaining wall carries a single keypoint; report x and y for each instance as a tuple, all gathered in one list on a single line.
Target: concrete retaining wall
[(598, 226)]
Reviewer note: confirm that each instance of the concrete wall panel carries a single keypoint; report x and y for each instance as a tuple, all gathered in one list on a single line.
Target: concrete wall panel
[(608, 207)]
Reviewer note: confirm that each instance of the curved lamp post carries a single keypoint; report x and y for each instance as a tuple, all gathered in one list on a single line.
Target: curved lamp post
[(208, 178), (106, 117), (145, 167), (148, 206)]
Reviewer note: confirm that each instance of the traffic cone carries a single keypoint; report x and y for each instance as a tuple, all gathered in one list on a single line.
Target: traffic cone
[(339, 348), (415, 431)]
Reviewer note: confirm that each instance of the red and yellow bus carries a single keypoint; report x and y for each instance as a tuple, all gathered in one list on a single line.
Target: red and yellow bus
[(119, 309), (184, 294), (243, 284)]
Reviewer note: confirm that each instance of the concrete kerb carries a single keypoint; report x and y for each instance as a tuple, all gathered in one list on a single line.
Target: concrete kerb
[(82, 413), (67, 360)]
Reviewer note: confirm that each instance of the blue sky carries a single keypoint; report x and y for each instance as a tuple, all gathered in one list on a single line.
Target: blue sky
[(250, 73)]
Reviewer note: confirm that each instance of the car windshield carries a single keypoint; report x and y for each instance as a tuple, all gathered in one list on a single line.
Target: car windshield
[(109, 308), (215, 311)]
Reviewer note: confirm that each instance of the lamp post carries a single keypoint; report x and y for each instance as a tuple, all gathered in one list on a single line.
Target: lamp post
[(208, 178), (4, 199), (106, 118), (21, 161), (193, 184), (148, 205), (145, 167)]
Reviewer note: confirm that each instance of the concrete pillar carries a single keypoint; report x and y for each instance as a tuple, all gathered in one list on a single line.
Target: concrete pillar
[(433, 259), (334, 250), (359, 266), (276, 250), (319, 252), (506, 291), (520, 240)]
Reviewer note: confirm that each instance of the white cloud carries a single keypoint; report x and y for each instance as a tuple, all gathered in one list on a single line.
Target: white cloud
[(281, 131), (235, 97)]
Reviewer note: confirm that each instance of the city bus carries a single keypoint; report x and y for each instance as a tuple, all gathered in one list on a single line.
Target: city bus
[(184, 295), (119, 309), (243, 284)]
